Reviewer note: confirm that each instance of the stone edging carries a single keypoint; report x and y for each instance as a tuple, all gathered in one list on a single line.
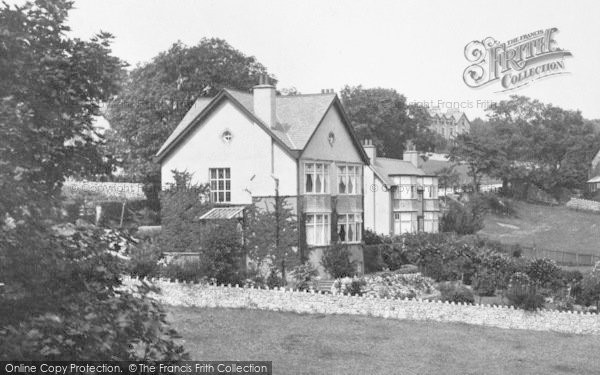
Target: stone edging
[(201, 295)]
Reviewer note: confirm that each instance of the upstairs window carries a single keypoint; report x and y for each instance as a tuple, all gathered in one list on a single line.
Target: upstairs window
[(316, 178), (349, 179), (220, 185)]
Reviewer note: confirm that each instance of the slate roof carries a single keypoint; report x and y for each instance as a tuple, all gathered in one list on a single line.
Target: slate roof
[(196, 109), (432, 167), (391, 167), (297, 117)]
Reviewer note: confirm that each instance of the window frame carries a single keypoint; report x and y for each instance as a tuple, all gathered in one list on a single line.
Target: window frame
[(216, 191), (345, 176), (325, 177), (356, 223), (324, 227)]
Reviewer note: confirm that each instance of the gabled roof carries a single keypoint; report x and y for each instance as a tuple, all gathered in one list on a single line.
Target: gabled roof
[(397, 167), (298, 117)]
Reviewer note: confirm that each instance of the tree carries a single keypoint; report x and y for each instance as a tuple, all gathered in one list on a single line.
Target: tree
[(535, 143), (272, 235), (63, 297), (480, 155), (380, 115), (157, 95)]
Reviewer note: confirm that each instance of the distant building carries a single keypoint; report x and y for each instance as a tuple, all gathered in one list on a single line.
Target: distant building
[(449, 124), (593, 184), (399, 196)]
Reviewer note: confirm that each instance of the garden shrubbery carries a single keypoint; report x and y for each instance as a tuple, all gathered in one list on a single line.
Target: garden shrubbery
[(455, 292), (336, 261)]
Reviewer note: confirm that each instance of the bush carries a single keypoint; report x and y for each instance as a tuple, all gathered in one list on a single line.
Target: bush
[(398, 284), (336, 261), (302, 276), (544, 273), (222, 253), (144, 258), (456, 292), (590, 285), (462, 219), (274, 280), (348, 285), (522, 294), (185, 270)]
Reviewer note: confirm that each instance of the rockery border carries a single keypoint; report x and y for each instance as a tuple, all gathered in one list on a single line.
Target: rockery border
[(227, 296)]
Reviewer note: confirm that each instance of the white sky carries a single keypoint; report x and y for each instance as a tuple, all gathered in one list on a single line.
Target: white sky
[(415, 47)]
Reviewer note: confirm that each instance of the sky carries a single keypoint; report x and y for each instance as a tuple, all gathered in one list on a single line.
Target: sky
[(414, 47)]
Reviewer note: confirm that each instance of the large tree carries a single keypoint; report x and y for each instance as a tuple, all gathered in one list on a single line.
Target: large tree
[(62, 297), (156, 96), (532, 142)]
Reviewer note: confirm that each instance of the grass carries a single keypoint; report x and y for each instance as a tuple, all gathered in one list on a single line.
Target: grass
[(344, 344), (552, 228)]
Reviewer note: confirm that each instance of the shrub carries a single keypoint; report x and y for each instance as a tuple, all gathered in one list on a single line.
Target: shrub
[(484, 284), (274, 280), (544, 272), (144, 258), (396, 284), (348, 285), (337, 263), (303, 275), (522, 294), (462, 219), (188, 270), (373, 259), (222, 252), (590, 285), (455, 292)]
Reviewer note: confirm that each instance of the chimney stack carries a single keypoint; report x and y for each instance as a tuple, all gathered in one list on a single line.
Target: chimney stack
[(370, 150), (264, 101), (411, 154)]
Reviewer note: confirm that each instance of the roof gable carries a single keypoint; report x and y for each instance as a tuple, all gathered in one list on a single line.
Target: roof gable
[(191, 120), (298, 117)]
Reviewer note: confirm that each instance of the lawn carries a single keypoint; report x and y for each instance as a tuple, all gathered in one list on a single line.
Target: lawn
[(552, 228), (341, 344)]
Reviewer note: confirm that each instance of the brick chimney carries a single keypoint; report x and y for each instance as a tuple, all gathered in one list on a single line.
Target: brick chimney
[(370, 150), (411, 154), (264, 101)]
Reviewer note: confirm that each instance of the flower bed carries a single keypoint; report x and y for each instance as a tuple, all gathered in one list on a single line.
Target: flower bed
[(393, 284)]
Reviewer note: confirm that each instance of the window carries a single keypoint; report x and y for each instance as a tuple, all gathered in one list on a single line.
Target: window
[(405, 222), (227, 136), (349, 228), (431, 222), (316, 177), (220, 185), (349, 179), (317, 229)]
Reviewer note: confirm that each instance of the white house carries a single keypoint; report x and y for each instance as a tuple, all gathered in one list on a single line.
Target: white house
[(245, 145), (399, 196)]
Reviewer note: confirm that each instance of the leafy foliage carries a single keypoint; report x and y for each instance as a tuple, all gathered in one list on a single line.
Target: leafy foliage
[(456, 292), (383, 116), (157, 95), (272, 235), (336, 261), (63, 297)]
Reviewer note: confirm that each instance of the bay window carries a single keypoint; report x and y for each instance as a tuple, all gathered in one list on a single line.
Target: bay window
[(317, 229), (349, 179), (349, 228), (316, 178), (405, 222)]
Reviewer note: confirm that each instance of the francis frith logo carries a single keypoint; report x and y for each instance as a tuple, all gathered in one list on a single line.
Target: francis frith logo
[(514, 63)]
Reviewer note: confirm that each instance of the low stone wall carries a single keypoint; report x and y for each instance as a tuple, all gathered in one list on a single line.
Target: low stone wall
[(200, 295), (584, 205)]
